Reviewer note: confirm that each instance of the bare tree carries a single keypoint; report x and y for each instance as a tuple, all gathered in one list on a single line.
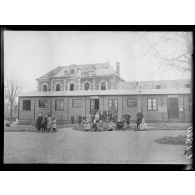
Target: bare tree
[(171, 49), (13, 87)]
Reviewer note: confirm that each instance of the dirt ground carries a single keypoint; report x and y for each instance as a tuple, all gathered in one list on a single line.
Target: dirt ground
[(73, 146)]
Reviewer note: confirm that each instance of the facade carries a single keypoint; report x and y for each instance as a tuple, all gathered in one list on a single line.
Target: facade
[(81, 89), (80, 77)]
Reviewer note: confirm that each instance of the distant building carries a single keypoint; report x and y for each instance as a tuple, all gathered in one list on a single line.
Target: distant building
[(81, 89)]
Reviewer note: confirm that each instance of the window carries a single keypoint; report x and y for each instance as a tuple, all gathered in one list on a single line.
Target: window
[(44, 87), (59, 105), (86, 86), (152, 104), (58, 87), (71, 87), (187, 85), (76, 103), (132, 102), (103, 86), (42, 103), (158, 86), (26, 105), (72, 71), (190, 103)]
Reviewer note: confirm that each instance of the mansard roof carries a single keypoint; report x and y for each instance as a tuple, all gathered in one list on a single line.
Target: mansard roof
[(98, 69)]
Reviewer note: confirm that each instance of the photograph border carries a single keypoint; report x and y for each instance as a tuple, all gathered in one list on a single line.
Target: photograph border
[(86, 167)]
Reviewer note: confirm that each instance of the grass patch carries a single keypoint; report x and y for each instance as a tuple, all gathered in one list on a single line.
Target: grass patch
[(179, 140)]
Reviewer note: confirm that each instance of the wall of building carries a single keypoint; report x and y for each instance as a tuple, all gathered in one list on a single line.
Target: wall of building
[(64, 116)]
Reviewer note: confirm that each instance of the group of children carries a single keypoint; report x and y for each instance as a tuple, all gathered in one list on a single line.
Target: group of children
[(109, 123), (102, 122), (45, 123)]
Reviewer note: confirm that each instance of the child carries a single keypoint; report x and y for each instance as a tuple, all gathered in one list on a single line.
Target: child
[(143, 125), (54, 123), (111, 126), (100, 126)]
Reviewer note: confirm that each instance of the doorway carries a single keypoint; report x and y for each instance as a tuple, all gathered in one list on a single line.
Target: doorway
[(94, 106), (173, 109), (113, 107)]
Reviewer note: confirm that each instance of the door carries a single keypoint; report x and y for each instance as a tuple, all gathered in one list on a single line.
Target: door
[(173, 109), (94, 106)]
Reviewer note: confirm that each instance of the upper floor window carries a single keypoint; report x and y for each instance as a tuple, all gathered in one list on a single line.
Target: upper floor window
[(103, 86), (86, 86), (26, 105), (58, 87), (152, 104), (71, 87), (158, 86), (44, 87)]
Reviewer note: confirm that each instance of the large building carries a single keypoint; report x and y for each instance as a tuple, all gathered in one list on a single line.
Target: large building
[(77, 90)]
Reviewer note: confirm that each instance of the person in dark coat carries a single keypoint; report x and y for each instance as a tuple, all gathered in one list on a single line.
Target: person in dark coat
[(79, 119), (139, 118), (38, 122), (44, 122), (127, 119), (104, 117)]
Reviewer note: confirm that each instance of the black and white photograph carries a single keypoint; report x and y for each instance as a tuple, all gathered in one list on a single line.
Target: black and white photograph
[(98, 97)]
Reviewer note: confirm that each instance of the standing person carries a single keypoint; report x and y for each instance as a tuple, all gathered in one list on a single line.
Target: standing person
[(38, 122), (44, 122), (54, 123), (139, 118), (119, 124), (127, 119), (49, 123), (79, 119), (97, 116), (104, 116)]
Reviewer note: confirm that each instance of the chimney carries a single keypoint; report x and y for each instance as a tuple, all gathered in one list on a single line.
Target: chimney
[(118, 68)]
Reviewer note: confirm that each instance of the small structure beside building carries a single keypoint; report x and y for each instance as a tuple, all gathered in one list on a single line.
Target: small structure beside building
[(81, 89)]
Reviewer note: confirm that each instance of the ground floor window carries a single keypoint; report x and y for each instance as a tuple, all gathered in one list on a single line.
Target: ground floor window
[(26, 105), (42, 103), (152, 104), (132, 102), (59, 105), (76, 103)]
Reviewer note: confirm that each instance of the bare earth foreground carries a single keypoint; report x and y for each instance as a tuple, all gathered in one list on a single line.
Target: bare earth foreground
[(72, 146)]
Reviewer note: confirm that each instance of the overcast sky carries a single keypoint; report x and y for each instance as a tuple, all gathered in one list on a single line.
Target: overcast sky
[(31, 54)]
